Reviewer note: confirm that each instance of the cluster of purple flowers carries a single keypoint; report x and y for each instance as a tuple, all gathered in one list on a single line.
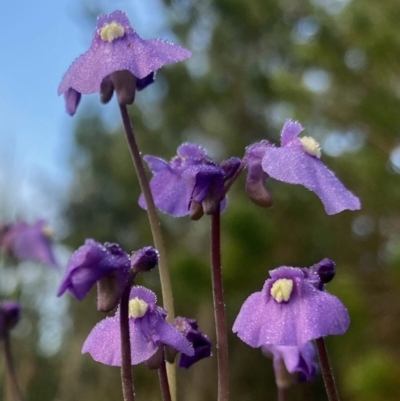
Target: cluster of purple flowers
[(293, 307), (112, 269)]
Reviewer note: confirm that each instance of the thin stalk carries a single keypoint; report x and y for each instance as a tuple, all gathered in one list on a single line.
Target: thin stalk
[(16, 390), (219, 308), (326, 370), (281, 394), (166, 288), (163, 379), (126, 366)]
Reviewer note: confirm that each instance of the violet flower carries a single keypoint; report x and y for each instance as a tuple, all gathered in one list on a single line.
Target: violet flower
[(290, 310), (10, 312), (92, 262), (300, 360), (200, 342), (297, 161), (118, 59), (28, 242), (148, 331), (191, 179)]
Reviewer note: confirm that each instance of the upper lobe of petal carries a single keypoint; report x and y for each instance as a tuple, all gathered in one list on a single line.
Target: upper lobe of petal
[(292, 165), (290, 130)]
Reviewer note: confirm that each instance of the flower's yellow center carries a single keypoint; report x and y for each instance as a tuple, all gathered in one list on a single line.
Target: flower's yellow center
[(48, 232), (137, 308), (282, 289), (311, 146), (111, 31)]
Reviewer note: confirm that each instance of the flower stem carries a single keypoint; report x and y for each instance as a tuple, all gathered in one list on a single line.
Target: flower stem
[(163, 379), (219, 308), (126, 366), (281, 394), (17, 394), (326, 370), (166, 288)]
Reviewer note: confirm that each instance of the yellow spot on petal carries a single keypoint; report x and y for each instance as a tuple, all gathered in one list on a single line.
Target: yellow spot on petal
[(282, 289), (137, 308), (311, 146), (48, 232), (111, 31)]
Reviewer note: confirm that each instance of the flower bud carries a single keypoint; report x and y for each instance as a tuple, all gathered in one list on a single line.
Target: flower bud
[(144, 259)]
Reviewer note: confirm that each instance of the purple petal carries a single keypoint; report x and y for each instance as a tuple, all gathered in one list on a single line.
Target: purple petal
[(308, 315), (143, 293), (104, 342), (172, 336), (129, 52), (296, 359), (248, 322), (292, 165), (171, 194), (290, 130), (191, 151), (90, 263), (31, 242)]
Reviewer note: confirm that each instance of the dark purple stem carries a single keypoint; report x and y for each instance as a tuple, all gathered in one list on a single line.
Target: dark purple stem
[(126, 366), (326, 370), (11, 369), (163, 379), (219, 308), (281, 394)]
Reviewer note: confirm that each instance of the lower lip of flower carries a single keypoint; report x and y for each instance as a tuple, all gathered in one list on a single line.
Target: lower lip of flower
[(282, 289)]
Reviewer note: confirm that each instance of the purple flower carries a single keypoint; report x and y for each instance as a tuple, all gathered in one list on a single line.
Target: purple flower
[(118, 59), (10, 312), (200, 342), (93, 262), (297, 161), (28, 242), (191, 179), (296, 359), (290, 310), (148, 330)]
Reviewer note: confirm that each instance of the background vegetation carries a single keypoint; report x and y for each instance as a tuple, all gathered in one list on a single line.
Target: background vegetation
[(334, 66)]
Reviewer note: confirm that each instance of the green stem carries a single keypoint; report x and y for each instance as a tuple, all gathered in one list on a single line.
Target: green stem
[(326, 370), (166, 288), (219, 308)]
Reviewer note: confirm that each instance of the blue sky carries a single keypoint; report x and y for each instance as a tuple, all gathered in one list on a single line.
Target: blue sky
[(38, 42)]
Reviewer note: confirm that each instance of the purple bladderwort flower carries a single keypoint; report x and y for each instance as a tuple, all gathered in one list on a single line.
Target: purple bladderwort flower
[(148, 331), (28, 242), (108, 265), (290, 310), (191, 183), (293, 359), (118, 59), (200, 342), (10, 312), (296, 161)]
